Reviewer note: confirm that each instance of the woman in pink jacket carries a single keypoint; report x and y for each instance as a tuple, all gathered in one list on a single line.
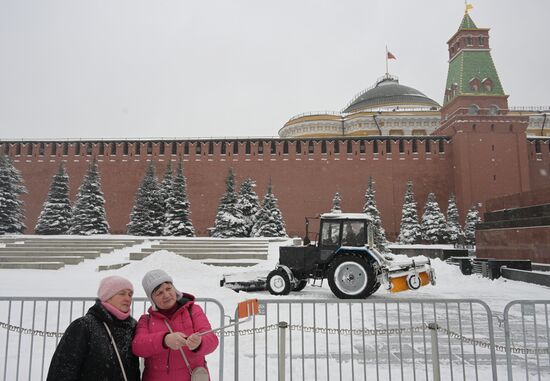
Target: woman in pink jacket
[(159, 347)]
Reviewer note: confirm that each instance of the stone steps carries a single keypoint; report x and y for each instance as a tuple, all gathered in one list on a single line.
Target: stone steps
[(201, 256), (32, 265), (66, 259), (89, 254), (55, 249)]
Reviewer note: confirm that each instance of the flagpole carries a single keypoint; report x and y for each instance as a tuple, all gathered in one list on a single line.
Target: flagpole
[(386, 60)]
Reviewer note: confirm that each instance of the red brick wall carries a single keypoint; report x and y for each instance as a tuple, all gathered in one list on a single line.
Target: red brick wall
[(304, 183)]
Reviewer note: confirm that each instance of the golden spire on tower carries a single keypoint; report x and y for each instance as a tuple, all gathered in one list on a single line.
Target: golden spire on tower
[(468, 7)]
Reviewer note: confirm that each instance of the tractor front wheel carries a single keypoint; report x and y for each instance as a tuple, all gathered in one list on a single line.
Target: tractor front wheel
[(300, 285), (351, 277), (278, 282)]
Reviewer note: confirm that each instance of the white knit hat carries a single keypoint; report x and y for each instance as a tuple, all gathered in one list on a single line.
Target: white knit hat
[(153, 279)]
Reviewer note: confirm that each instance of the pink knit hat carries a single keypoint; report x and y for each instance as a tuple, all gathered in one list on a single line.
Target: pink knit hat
[(109, 286)]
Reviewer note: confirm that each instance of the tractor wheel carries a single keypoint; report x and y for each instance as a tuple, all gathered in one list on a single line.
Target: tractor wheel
[(300, 285), (278, 282), (351, 277)]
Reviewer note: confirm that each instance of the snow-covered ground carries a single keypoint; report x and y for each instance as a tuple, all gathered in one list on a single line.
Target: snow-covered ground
[(203, 281)]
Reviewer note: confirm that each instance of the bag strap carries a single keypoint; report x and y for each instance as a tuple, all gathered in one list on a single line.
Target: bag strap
[(116, 351), (181, 349)]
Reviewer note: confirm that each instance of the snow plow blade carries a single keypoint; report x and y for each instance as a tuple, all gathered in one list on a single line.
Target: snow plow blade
[(247, 281), (409, 276)]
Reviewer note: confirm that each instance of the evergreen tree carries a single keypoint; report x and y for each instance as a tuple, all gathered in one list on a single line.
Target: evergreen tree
[(177, 217), (166, 184), (229, 220), (11, 207), (269, 221), (371, 210), (88, 214), (409, 232), (472, 219), (453, 229), (248, 204), (147, 217), (55, 217), (336, 201), (433, 221)]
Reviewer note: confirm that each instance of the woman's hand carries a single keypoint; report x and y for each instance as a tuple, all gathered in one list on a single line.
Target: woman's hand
[(194, 341), (175, 340)]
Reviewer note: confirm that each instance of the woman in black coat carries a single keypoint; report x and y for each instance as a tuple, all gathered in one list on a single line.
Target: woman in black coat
[(86, 352)]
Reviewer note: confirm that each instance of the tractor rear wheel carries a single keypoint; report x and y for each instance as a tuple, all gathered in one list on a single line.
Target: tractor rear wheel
[(351, 277), (278, 282)]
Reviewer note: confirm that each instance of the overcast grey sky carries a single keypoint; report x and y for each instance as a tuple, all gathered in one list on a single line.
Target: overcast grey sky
[(214, 68)]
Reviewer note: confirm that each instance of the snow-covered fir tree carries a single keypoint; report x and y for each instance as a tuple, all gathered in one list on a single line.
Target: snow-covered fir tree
[(433, 222), (371, 210), (453, 229), (88, 214), (269, 221), (472, 219), (147, 217), (409, 231), (55, 217), (248, 204), (11, 207), (336, 201), (229, 220), (177, 217), (166, 183)]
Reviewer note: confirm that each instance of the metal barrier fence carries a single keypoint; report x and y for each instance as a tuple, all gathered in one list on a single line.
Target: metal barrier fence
[(30, 329), (293, 339), (527, 326), (368, 340)]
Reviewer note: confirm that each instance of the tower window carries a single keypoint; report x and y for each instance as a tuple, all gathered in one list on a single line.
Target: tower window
[(247, 148), (298, 147), (441, 146), (323, 147), (310, 148), (77, 149), (375, 146), (260, 148), (537, 146), (137, 148), (101, 149), (29, 148), (350, 147), (401, 146), (41, 149), (362, 148), (65, 149), (186, 148), (481, 40), (428, 146), (273, 149), (149, 148), (285, 147), (494, 110), (161, 148), (18, 149), (235, 148), (488, 84), (210, 148), (53, 151), (388, 146), (223, 148), (336, 146), (174, 148), (414, 146), (473, 110), (469, 41)]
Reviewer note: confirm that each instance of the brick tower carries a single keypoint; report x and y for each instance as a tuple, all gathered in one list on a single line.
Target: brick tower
[(490, 150)]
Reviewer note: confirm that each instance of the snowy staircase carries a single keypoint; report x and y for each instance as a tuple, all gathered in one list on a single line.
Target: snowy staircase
[(54, 252), (212, 251)]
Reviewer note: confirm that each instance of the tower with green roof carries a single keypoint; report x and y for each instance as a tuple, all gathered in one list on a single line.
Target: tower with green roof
[(489, 156)]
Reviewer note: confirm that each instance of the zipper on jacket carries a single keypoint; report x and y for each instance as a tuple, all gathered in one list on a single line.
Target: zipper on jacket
[(168, 361)]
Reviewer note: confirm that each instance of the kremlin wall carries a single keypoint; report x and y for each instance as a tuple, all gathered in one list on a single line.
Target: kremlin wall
[(474, 145)]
